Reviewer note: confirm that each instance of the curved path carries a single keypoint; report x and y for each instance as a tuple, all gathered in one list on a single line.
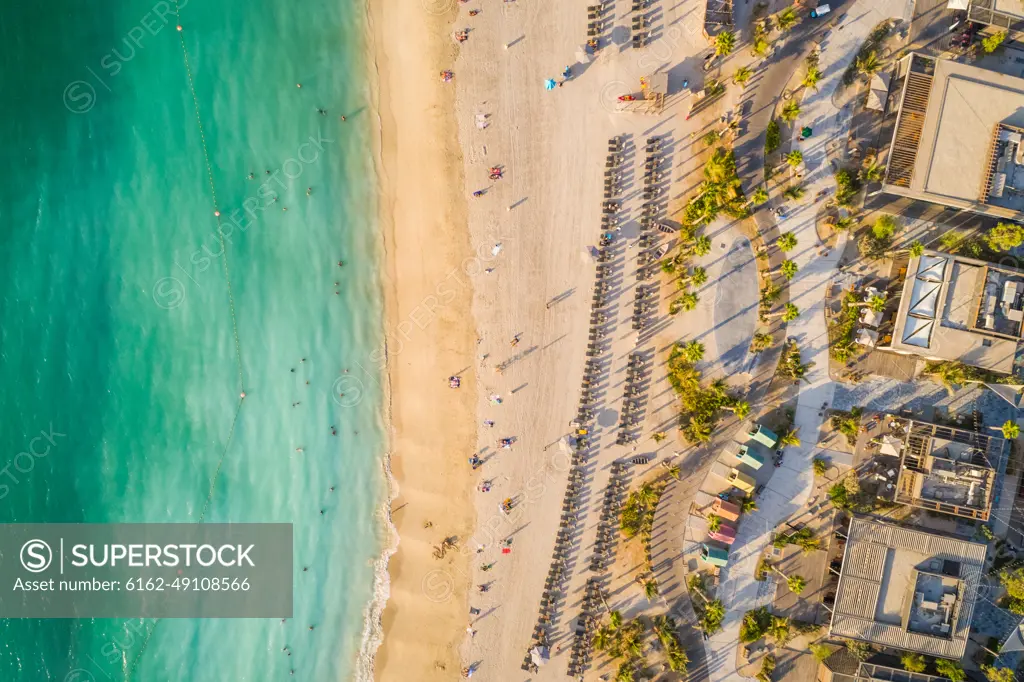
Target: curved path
[(785, 494)]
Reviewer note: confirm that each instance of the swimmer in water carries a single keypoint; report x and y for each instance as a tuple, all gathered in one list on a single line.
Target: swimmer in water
[(309, 190), (343, 119)]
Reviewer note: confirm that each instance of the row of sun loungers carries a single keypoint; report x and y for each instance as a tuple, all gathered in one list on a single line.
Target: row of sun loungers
[(654, 174), (558, 573), (632, 406), (586, 624), (579, 655)]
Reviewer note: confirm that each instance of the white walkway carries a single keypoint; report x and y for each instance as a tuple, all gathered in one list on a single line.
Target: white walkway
[(790, 488)]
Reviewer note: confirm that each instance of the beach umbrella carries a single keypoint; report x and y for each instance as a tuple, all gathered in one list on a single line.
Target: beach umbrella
[(549, 84), (582, 56), (539, 655)]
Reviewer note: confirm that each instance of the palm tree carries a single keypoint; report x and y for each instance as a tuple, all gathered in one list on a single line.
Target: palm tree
[(697, 277), (687, 301), (786, 19), (791, 313), (914, 663), (916, 249), (795, 158), (789, 269), (725, 43), (952, 375), (842, 351), (701, 246), (714, 523), (790, 111), (872, 171), (697, 431), (808, 544), (759, 196), (787, 241), (759, 47), (790, 438), (820, 466), (626, 672), (747, 505), (868, 64), (761, 342), (741, 408), (693, 351), (646, 495), (712, 616), (779, 630), (1010, 429), (696, 585), (876, 303), (812, 77), (673, 471), (950, 669), (841, 224), (651, 590), (742, 75), (794, 192), (796, 583)]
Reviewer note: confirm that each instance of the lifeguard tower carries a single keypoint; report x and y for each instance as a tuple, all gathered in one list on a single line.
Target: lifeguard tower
[(653, 89)]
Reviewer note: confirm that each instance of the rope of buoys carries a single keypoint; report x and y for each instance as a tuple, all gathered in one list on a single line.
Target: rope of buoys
[(216, 210), (231, 308)]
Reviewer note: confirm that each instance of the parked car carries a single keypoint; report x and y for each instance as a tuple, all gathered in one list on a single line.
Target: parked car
[(820, 11)]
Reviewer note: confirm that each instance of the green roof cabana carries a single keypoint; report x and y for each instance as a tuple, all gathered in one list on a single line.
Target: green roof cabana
[(714, 555), (765, 437), (751, 459)]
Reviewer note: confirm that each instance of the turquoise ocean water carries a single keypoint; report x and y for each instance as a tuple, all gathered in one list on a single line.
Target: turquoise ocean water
[(117, 338)]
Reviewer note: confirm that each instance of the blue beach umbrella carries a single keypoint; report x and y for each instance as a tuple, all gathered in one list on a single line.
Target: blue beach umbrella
[(549, 84)]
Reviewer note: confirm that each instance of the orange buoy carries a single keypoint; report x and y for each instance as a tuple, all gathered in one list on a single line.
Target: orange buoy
[(179, 27)]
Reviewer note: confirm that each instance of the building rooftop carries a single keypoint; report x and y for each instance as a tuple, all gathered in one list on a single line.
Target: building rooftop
[(959, 308), (1005, 14), (957, 137), (949, 470), (907, 589)]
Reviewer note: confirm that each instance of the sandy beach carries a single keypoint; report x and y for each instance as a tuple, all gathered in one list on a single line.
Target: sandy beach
[(528, 240), (429, 337)]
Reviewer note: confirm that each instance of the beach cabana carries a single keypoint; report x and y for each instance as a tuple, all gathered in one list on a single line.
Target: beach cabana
[(765, 437), (725, 534), (742, 481), (725, 510), (716, 556), (751, 459)]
